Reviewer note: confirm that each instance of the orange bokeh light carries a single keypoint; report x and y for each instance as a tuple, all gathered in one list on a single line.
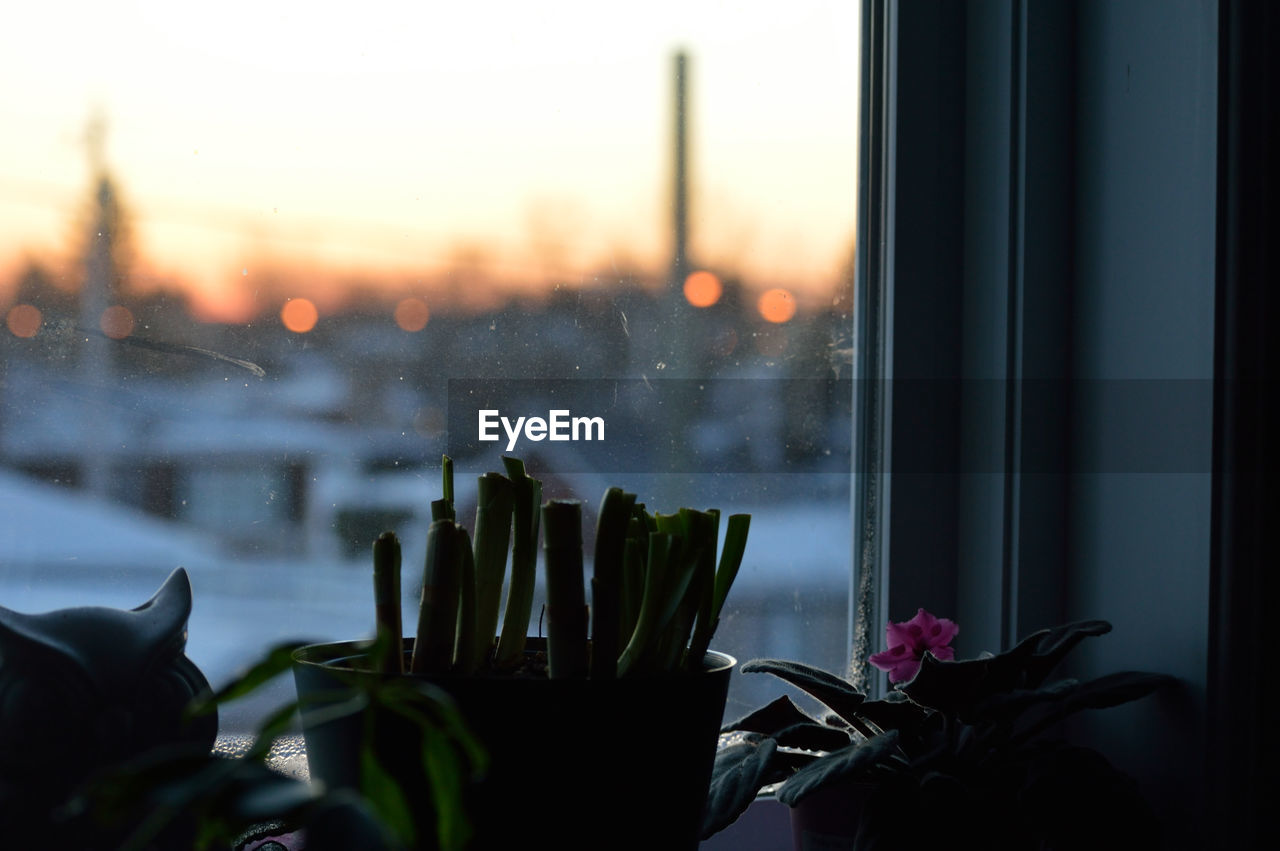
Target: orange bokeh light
[(702, 289), (777, 305), (299, 315), (24, 320), (116, 322), (412, 314)]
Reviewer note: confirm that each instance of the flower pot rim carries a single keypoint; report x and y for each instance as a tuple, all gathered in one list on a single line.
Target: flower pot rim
[(327, 654)]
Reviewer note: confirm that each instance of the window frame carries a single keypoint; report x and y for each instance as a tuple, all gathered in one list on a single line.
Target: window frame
[(994, 127)]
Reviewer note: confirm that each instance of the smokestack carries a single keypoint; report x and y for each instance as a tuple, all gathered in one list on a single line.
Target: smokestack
[(680, 188)]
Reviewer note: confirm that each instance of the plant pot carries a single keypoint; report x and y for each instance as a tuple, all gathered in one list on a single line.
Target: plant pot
[(572, 763), (827, 818)]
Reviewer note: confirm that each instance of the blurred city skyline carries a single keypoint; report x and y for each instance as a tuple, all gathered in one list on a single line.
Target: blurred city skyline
[(429, 152)]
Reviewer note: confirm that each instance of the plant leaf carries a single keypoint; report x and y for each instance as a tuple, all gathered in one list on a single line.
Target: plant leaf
[(903, 715), (1101, 693), (386, 798), (953, 688), (770, 718), (1007, 707), (814, 737), (1051, 645), (840, 696), (1115, 689), (842, 764), (739, 773), (272, 664)]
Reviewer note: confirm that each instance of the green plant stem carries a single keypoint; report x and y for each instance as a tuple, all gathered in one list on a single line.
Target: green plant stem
[(437, 615), (492, 542), (464, 650), (664, 552), (698, 529), (386, 601), (566, 601), (607, 579), (632, 588), (524, 561), (735, 544), (442, 508)]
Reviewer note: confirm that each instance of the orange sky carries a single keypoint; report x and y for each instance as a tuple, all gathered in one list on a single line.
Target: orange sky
[(399, 141)]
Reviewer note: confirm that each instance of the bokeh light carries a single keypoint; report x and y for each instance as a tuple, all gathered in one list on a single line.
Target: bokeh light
[(412, 314), (116, 322), (24, 320), (777, 305), (702, 288), (299, 315)]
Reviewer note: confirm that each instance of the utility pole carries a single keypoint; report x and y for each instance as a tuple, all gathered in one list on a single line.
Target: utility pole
[(681, 329), (680, 186), (95, 357)]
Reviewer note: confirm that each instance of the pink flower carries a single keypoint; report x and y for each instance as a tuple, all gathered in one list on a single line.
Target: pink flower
[(909, 641)]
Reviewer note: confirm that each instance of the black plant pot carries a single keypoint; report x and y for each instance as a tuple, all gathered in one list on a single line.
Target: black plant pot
[(572, 763)]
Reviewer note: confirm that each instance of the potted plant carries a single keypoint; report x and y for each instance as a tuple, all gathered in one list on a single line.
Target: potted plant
[(601, 734), (961, 752)]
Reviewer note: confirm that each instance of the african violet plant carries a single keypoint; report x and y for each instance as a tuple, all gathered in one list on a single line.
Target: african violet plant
[(961, 752)]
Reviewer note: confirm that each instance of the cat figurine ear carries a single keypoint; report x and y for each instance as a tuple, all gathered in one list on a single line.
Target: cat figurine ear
[(84, 688)]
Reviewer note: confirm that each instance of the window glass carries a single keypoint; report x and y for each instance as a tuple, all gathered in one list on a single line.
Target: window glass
[(253, 256)]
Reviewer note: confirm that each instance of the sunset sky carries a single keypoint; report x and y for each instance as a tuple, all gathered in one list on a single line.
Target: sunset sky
[(400, 140)]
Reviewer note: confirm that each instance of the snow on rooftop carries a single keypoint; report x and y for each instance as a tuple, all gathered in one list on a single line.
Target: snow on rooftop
[(43, 526)]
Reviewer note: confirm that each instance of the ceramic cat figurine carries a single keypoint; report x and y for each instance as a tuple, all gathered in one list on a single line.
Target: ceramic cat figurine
[(84, 688)]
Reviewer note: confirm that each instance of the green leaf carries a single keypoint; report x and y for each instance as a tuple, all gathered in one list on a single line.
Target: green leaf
[(1115, 689), (853, 760), (607, 580), (840, 696), (814, 737), (897, 713), (954, 688), (450, 758), (735, 545), (774, 716), (386, 798), (1007, 707), (526, 516), (275, 662), (739, 773), (1101, 693), (1051, 645)]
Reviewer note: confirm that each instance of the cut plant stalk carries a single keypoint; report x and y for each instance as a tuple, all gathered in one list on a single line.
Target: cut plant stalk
[(495, 495), (524, 561), (698, 529), (606, 583), (735, 544), (632, 587), (566, 601), (386, 599), (441, 586), (464, 650), (442, 508), (664, 559)]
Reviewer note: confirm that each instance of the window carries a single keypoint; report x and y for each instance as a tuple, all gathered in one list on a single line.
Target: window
[(243, 257)]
